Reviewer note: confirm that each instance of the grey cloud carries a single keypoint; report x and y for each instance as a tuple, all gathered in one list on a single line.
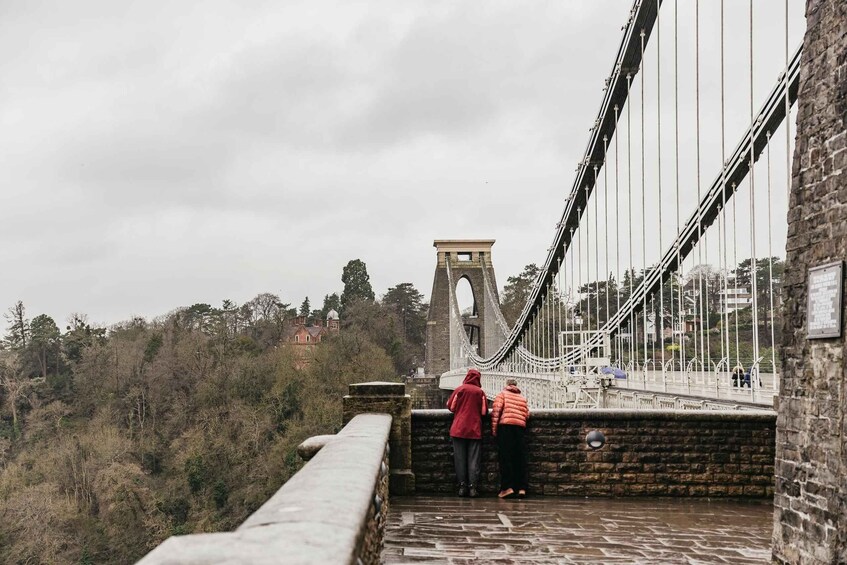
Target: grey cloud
[(170, 154)]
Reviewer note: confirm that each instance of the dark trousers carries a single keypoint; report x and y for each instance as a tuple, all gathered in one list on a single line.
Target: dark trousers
[(466, 454), (510, 442)]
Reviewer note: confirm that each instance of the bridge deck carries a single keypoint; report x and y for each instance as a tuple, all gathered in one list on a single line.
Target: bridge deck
[(577, 530)]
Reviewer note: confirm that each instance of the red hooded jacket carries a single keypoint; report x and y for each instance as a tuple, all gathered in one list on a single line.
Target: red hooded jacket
[(469, 405)]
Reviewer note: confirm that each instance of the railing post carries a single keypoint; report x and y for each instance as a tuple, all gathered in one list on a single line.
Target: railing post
[(391, 399)]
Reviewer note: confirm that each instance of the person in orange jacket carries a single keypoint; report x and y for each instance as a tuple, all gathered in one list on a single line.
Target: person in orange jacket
[(468, 405), (508, 423)]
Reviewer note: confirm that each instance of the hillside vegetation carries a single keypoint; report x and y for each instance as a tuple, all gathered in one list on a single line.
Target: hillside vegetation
[(113, 440)]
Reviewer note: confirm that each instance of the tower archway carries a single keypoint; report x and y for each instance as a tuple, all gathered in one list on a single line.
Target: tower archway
[(468, 258)]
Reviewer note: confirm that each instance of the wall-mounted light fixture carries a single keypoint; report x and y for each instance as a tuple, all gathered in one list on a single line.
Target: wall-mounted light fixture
[(595, 439)]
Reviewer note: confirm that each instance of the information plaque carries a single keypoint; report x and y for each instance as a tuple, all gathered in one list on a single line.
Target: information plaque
[(825, 301)]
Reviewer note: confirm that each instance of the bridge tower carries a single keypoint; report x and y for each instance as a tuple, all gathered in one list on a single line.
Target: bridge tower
[(469, 259)]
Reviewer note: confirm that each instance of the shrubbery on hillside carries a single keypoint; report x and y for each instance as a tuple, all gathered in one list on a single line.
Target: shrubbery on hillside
[(114, 440)]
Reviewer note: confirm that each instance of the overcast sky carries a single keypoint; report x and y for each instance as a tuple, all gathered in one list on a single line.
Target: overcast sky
[(156, 154)]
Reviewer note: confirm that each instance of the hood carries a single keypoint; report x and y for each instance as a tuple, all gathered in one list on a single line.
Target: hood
[(473, 378), (513, 388)]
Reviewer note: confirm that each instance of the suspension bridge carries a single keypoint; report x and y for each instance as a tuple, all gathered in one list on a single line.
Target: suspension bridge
[(661, 289), (661, 286)]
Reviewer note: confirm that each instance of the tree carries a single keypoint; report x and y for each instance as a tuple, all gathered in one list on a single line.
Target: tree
[(44, 340), (595, 294), (305, 308), (516, 293), (765, 267), (19, 328), (265, 306), (381, 326), (407, 303), (198, 317), (267, 317), (80, 335), (331, 302), (16, 389), (357, 285)]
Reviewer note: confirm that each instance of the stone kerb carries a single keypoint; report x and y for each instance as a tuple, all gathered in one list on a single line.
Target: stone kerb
[(647, 453), (332, 511), (387, 398)]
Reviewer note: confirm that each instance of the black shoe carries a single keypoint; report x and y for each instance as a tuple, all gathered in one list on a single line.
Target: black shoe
[(472, 491), (463, 489)]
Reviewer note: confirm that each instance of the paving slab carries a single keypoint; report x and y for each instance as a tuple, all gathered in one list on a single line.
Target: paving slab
[(650, 531)]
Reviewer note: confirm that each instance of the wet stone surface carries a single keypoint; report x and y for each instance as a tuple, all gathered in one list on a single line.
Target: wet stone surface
[(577, 530)]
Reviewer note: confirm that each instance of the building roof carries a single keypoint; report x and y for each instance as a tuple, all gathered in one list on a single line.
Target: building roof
[(332, 315)]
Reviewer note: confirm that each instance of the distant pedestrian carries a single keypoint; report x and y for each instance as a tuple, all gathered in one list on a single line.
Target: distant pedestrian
[(468, 405), (737, 375), (508, 423)]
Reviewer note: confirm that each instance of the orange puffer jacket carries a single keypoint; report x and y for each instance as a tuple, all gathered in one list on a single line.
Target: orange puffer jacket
[(509, 408)]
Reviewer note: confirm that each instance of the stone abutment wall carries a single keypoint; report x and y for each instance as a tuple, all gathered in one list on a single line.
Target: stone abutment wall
[(811, 462), (647, 452)]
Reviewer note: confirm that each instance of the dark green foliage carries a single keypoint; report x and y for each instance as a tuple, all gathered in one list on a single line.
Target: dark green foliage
[(357, 284), (305, 307), (407, 303), (86, 558), (19, 327), (516, 292), (80, 335), (331, 302), (220, 494), (196, 473), (153, 346)]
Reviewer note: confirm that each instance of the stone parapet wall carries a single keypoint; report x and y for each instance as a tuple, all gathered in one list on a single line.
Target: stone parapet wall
[(647, 453), (425, 393), (332, 511)]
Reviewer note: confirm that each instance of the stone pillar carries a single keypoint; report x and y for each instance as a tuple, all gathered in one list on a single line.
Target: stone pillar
[(810, 519), (468, 258), (391, 399)]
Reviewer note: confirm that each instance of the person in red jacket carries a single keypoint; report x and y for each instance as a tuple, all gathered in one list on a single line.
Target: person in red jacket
[(508, 422), (468, 405)]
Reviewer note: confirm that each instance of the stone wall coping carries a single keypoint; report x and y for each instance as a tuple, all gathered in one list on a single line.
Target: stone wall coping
[(310, 447), (625, 414), (316, 517), (377, 388)]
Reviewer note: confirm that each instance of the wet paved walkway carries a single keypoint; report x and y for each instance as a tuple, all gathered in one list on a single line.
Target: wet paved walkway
[(576, 530)]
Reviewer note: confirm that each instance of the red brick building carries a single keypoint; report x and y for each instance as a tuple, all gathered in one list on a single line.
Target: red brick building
[(301, 334)]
